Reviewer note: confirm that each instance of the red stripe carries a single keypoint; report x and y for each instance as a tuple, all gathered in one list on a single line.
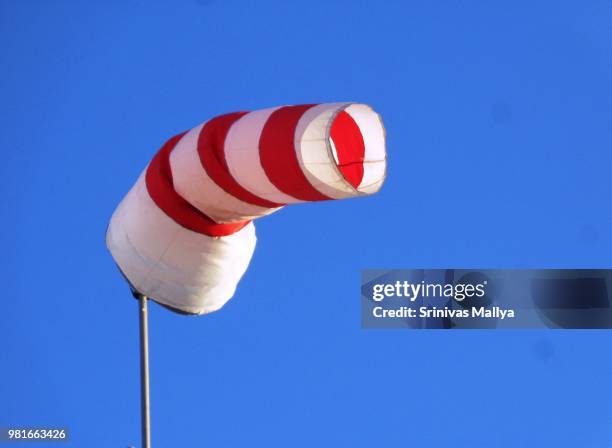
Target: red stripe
[(161, 189), (211, 143), (278, 156), (349, 147)]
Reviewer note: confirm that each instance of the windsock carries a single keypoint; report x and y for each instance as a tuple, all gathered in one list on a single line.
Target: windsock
[(184, 233)]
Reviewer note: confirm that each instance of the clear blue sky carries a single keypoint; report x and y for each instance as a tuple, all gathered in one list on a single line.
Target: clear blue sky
[(499, 122)]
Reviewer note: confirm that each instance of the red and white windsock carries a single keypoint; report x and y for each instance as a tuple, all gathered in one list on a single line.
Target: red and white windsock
[(184, 235)]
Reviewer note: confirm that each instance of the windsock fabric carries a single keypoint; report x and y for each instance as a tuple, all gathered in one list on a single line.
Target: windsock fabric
[(184, 235)]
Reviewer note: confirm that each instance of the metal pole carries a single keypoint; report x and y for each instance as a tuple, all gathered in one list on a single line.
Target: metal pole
[(145, 409)]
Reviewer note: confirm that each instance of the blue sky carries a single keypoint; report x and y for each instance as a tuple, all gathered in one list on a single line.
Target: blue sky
[(498, 117)]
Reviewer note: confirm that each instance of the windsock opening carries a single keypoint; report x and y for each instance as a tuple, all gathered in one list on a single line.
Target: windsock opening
[(357, 139), (348, 148)]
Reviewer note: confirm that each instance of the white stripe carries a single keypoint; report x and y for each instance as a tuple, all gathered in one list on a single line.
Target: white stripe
[(373, 132), (187, 270), (315, 154), (242, 156), (193, 183)]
